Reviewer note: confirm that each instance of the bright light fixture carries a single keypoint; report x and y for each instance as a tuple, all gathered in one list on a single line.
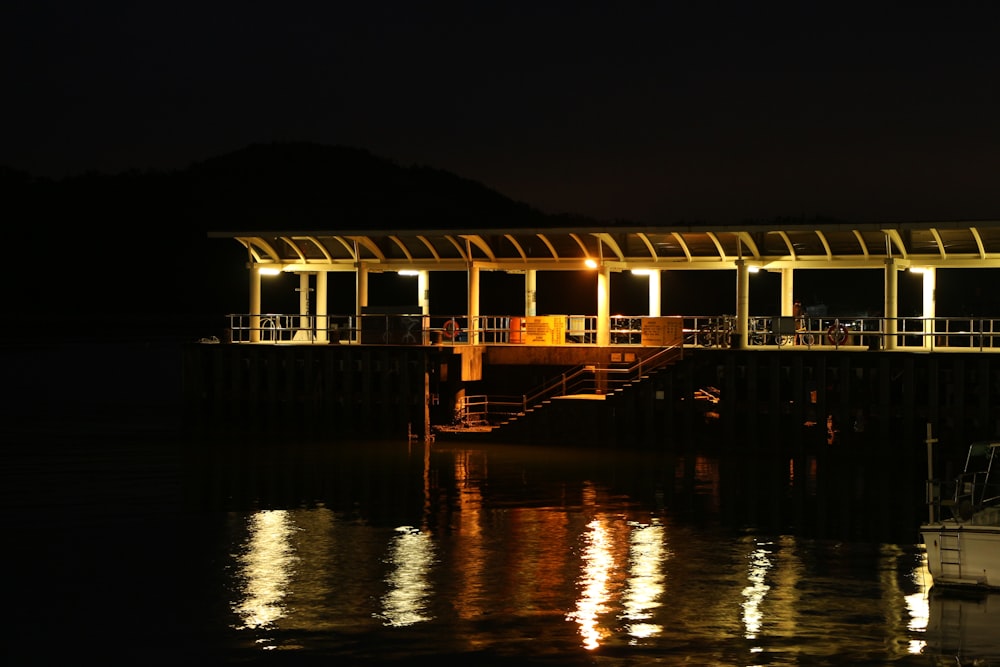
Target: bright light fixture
[(268, 271), (590, 264), (642, 272), (409, 272)]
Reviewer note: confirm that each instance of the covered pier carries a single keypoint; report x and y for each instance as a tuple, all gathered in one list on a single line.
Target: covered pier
[(454, 261), (337, 364)]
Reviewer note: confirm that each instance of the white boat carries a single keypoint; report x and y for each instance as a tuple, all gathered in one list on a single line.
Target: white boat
[(962, 531)]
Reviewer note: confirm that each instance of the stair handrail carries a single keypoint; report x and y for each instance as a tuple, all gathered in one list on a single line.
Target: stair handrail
[(567, 382), (559, 386), (569, 379)]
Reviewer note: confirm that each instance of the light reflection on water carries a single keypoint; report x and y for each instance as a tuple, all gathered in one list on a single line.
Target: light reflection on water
[(266, 563), (755, 592), (411, 555), (510, 562), (644, 588)]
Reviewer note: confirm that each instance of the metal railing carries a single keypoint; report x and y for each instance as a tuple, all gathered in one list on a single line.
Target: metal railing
[(699, 330)]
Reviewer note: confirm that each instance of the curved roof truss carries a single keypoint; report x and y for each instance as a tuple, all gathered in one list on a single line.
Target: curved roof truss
[(931, 244)]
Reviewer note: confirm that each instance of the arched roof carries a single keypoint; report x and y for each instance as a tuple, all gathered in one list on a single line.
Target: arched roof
[(943, 244)]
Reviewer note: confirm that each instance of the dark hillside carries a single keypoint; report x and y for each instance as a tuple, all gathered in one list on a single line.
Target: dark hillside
[(313, 187), (128, 253)]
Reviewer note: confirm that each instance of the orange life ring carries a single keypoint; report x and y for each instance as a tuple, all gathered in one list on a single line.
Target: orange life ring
[(836, 334), (450, 329)]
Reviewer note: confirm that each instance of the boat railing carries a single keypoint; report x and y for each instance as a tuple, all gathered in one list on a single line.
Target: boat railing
[(977, 487)]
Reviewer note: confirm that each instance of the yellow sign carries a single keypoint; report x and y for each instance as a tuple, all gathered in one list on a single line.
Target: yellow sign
[(662, 331), (545, 330)]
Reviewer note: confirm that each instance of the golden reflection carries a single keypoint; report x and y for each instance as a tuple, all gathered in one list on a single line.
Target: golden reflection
[(918, 605), (756, 591), (411, 555), (644, 588), (266, 567), (597, 566), (904, 614), (472, 560)]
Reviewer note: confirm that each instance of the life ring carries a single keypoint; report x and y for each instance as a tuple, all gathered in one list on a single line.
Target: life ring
[(836, 334), (450, 329)]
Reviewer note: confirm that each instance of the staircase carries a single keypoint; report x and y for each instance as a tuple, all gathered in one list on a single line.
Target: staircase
[(592, 381)]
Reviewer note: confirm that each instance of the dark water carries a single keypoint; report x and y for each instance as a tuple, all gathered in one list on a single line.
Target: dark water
[(139, 550)]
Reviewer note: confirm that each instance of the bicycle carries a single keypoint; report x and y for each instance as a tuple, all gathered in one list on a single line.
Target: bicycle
[(755, 333), (718, 333)]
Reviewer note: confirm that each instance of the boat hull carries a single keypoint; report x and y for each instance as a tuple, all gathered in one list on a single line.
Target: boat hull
[(963, 555)]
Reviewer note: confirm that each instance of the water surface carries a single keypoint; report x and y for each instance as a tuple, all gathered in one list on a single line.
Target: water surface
[(128, 550)]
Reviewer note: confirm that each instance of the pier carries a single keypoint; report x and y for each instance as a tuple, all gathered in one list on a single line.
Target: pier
[(417, 369)]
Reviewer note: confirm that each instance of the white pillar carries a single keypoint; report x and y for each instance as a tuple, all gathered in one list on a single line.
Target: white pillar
[(321, 307), (890, 303), (603, 306), (473, 306), (423, 299), (254, 303), (304, 290), (423, 292), (930, 305), (654, 293), (361, 298), (787, 291), (530, 292), (742, 302)]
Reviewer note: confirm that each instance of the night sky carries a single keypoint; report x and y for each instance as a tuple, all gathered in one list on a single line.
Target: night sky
[(652, 112)]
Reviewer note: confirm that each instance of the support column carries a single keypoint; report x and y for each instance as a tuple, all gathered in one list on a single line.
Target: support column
[(423, 300), (254, 302), (787, 292), (322, 324), (530, 293), (473, 306), (304, 289), (930, 305), (361, 298), (890, 303), (603, 306), (423, 292), (742, 303), (654, 293)]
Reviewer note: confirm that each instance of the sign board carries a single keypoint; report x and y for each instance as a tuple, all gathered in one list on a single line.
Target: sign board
[(662, 331), (545, 330)]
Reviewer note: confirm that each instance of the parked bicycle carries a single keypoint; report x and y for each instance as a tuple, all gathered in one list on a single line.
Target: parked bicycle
[(718, 332), (777, 331)]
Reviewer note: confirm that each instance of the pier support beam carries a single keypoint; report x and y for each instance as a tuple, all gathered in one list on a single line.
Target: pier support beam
[(742, 303), (603, 305), (424, 301), (891, 303), (930, 305), (531, 292), (473, 304), (321, 307), (254, 303), (787, 292), (654, 293), (304, 291)]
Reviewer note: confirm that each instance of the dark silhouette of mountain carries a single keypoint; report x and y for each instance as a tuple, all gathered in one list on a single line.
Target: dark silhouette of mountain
[(126, 250), (282, 186), (309, 186)]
